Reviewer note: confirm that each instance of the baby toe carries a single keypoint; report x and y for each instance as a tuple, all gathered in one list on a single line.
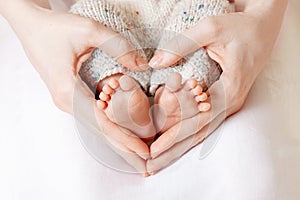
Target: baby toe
[(173, 83), (104, 97), (127, 83), (107, 89), (101, 104), (197, 90), (201, 97), (204, 106), (190, 84), (114, 83)]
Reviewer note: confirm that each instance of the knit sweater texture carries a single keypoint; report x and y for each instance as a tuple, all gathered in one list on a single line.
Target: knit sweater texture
[(149, 25)]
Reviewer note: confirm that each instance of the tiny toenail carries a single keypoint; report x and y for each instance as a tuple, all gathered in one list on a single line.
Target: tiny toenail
[(107, 89), (201, 97), (188, 85), (101, 104), (204, 107), (114, 84), (104, 96), (192, 84), (98, 103), (197, 90)]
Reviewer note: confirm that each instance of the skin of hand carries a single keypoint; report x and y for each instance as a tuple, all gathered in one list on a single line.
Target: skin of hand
[(241, 43), (123, 142), (57, 43)]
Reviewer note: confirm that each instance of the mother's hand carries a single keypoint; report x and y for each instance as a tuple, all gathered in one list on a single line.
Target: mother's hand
[(126, 144), (241, 43), (57, 43)]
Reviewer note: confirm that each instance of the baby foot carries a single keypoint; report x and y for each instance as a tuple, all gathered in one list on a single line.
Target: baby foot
[(126, 104), (175, 102)]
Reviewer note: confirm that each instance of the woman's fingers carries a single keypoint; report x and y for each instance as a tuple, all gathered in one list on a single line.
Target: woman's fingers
[(190, 126), (129, 156), (117, 46), (179, 132), (164, 159), (185, 43), (133, 61), (86, 111), (180, 148), (131, 148), (121, 135), (173, 51), (123, 142)]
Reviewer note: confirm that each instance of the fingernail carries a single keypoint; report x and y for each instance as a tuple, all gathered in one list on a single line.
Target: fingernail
[(146, 174), (141, 63), (140, 60), (155, 62)]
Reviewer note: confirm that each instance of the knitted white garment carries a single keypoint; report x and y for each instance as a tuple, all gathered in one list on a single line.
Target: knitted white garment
[(148, 24)]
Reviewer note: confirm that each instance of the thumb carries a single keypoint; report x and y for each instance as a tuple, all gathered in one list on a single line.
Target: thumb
[(117, 47), (185, 43)]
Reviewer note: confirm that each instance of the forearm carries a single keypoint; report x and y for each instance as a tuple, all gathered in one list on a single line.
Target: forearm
[(5, 4), (11, 9), (21, 14)]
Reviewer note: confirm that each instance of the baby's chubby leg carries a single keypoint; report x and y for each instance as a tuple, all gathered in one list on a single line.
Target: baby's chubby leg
[(124, 102)]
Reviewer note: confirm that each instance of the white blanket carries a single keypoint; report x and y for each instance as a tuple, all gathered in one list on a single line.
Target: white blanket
[(257, 156)]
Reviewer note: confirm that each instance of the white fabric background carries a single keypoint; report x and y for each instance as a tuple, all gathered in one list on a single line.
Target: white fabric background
[(257, 156)]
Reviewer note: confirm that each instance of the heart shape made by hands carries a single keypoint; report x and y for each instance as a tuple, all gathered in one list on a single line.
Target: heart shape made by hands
[(149, 25)]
